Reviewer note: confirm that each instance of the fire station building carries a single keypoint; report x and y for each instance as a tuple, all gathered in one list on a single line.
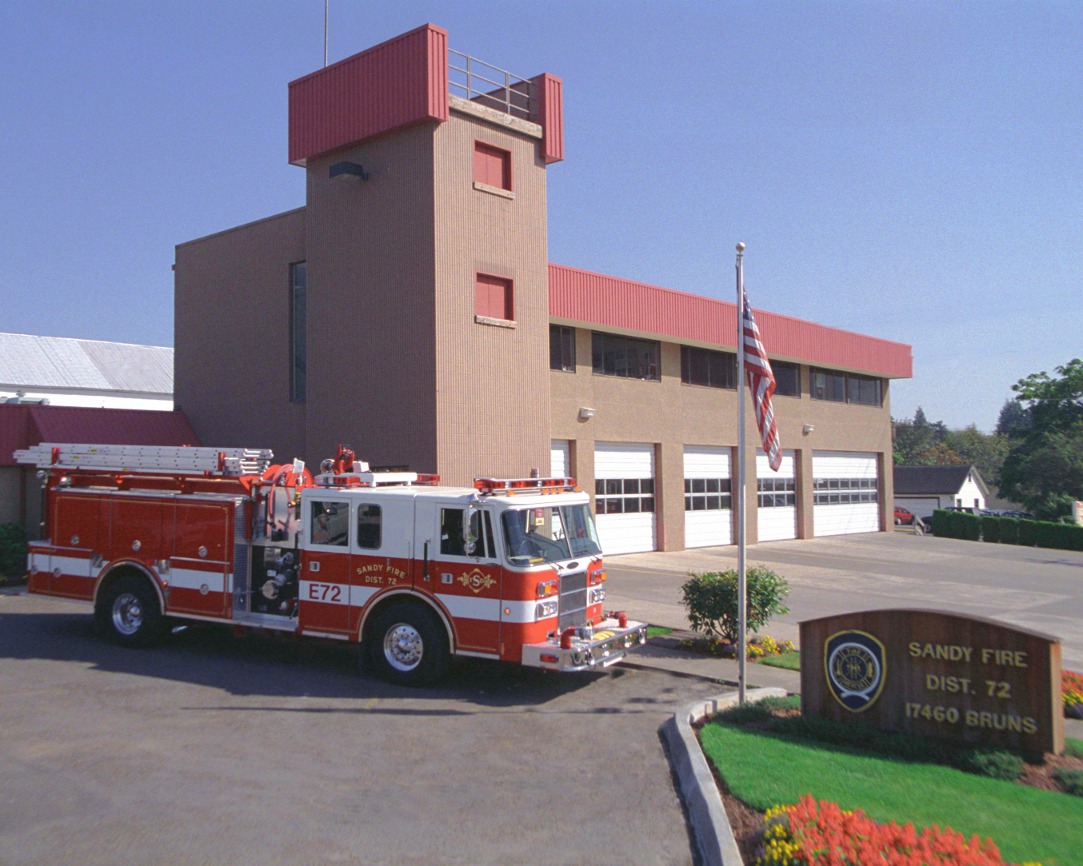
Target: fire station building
[(410, 310)]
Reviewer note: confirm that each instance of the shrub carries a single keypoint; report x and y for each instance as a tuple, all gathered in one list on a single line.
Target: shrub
[(1009, 530), (711, 600), (12, 550), (1072, 780), (969, 526), (990, 529), (1028, 532), (994, 763), (811, 832)]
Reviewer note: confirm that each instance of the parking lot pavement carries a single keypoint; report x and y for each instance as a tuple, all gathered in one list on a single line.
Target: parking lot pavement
[(215, 749), (1030, 588)]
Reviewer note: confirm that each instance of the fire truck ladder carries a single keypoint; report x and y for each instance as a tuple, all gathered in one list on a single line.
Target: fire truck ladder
[(178, 460)]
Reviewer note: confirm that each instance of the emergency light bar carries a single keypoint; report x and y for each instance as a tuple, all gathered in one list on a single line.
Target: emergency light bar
[(513, 486)]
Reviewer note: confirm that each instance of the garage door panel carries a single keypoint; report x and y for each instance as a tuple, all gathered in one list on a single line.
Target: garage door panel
[(624, 496), (843, 484), (708, 512), (559, 458), (776, 522)]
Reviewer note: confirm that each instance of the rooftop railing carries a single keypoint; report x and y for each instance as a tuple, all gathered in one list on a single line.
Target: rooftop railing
[(488, 85)]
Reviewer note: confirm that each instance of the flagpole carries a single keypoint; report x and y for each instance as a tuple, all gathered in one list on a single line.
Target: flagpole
[(742, 589)]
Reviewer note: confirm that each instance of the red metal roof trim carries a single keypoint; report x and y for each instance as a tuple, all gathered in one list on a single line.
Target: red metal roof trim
[(611, 302), (393, 84), (22, 426)]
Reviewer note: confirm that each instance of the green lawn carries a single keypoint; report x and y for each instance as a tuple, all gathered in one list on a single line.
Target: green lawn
[(789, 661), (765, 769)]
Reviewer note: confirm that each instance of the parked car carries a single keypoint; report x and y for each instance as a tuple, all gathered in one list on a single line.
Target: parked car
[(1019, 515), (903, 517)]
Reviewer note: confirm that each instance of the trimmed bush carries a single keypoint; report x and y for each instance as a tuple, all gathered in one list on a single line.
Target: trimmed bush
[(1009, 530), (990, 529), (970, 526), (994, 763), (1028, 533), (1072, 780), (12, 550), (711, 600)]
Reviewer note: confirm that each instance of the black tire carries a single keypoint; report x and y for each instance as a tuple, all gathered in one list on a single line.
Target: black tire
[(408, 646), (129, 614)]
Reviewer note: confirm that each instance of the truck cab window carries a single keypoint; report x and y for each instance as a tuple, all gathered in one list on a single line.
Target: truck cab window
[(330, 523), (451, 532), (369, 519)]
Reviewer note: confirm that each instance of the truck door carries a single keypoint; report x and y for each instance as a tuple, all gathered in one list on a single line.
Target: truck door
[(324, 590), (380, 555), (468, 585)]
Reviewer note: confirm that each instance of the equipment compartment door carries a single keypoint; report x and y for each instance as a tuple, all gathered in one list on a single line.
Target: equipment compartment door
[(199, 566)]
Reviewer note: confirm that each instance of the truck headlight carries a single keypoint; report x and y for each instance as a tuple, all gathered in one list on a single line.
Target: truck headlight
[(545, 609), (597, 595)]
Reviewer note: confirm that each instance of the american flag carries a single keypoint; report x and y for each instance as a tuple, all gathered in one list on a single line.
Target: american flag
[(761, 381)]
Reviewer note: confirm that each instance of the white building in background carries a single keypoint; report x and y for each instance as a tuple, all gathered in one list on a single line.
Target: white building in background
[(61, 371)]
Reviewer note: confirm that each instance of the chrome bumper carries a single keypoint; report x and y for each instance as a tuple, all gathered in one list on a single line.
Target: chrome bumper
[(607, 646)]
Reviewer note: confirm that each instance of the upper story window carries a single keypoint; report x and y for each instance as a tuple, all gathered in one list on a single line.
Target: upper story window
[(494, 298), (787, 378), (629, 357), (298, 331), (562, 348), (845, 387), (492, 166), (708, 367)]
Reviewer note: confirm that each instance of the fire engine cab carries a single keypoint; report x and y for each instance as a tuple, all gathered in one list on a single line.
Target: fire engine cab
[(412, 571)]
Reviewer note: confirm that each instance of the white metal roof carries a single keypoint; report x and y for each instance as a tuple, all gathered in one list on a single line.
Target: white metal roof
[(29, 362)]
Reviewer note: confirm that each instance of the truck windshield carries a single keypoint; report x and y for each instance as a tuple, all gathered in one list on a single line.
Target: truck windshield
[(550, 534)]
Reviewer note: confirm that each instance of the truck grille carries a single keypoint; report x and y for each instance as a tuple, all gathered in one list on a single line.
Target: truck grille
[(573, 600)]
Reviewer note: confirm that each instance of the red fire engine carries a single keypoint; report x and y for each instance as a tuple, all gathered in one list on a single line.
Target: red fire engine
[(413, 571)]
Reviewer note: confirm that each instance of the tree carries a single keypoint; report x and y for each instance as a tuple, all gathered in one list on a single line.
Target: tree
[(986, 452), (1044, 468), (1013, 418)]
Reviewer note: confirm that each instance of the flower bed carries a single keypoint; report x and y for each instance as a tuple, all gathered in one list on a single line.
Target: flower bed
[(1072, 689)]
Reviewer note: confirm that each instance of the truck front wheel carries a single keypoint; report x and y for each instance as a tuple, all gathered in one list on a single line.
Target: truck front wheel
[(408, 646), (129, 613)]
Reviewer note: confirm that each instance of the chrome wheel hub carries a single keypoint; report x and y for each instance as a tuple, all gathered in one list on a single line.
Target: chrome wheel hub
[(127, 613), (403, 647)]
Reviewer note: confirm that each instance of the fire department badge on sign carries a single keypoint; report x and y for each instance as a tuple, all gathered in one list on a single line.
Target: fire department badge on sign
[(476, 580), (855, 667)]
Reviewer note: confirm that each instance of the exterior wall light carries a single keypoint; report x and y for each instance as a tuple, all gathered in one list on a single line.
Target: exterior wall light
[(808, 428), (585, 413), (347, 169)]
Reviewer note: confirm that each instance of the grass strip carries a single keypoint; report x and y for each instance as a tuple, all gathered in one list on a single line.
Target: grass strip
[(789, 661), (1027, 824)]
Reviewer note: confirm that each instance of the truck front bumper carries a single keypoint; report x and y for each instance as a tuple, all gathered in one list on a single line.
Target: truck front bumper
[(606, 646)]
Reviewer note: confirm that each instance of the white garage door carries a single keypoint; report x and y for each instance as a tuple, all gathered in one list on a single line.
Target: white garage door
[(624, 496), (708, 501), (559, 460), (776, 499), (845, 494)]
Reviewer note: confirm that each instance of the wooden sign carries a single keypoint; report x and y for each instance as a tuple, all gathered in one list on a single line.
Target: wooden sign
[(961, 678)]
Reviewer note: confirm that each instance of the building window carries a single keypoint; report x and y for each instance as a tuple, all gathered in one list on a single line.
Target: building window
[(492, 166), (624, 495), (787, 378), (631, 358), (298, 331), (708, 367), (369, 520), (562, 348), (846, 387), (843, 491), (707, 494), (494, 298), (775, 493)]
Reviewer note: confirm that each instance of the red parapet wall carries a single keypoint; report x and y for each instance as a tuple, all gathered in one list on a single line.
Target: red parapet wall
[(551, 116), (611, 302), (394, 84)]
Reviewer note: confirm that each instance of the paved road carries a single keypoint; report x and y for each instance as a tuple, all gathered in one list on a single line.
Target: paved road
[(214, 749), (1027, 587)]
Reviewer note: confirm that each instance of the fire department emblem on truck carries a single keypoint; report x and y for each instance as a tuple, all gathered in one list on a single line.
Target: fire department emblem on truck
[(224, 535)]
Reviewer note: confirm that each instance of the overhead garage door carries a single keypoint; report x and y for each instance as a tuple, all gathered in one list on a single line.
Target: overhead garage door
[(776, 499), (559, 460), (624, 496), (708, 501), (845, 494)]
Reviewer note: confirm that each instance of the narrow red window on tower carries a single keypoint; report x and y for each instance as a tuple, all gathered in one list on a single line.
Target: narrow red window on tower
[(492, 166), (494, 298)]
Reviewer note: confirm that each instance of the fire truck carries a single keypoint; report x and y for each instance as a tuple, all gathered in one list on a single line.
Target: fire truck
[(412, 571)]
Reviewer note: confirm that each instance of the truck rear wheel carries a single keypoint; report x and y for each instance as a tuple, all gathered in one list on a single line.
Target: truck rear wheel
[(129, 612), (408, 646)]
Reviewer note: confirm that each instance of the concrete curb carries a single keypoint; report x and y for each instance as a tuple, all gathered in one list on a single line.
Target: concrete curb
[(710, 827)]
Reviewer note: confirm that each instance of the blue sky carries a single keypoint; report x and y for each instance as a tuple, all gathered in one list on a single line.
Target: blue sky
[(912, 171)]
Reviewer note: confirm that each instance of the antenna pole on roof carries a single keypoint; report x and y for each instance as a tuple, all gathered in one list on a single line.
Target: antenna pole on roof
[(325, 10)]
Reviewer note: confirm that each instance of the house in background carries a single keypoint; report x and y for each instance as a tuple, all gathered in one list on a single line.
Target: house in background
[(61, 371), (923, 489)]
